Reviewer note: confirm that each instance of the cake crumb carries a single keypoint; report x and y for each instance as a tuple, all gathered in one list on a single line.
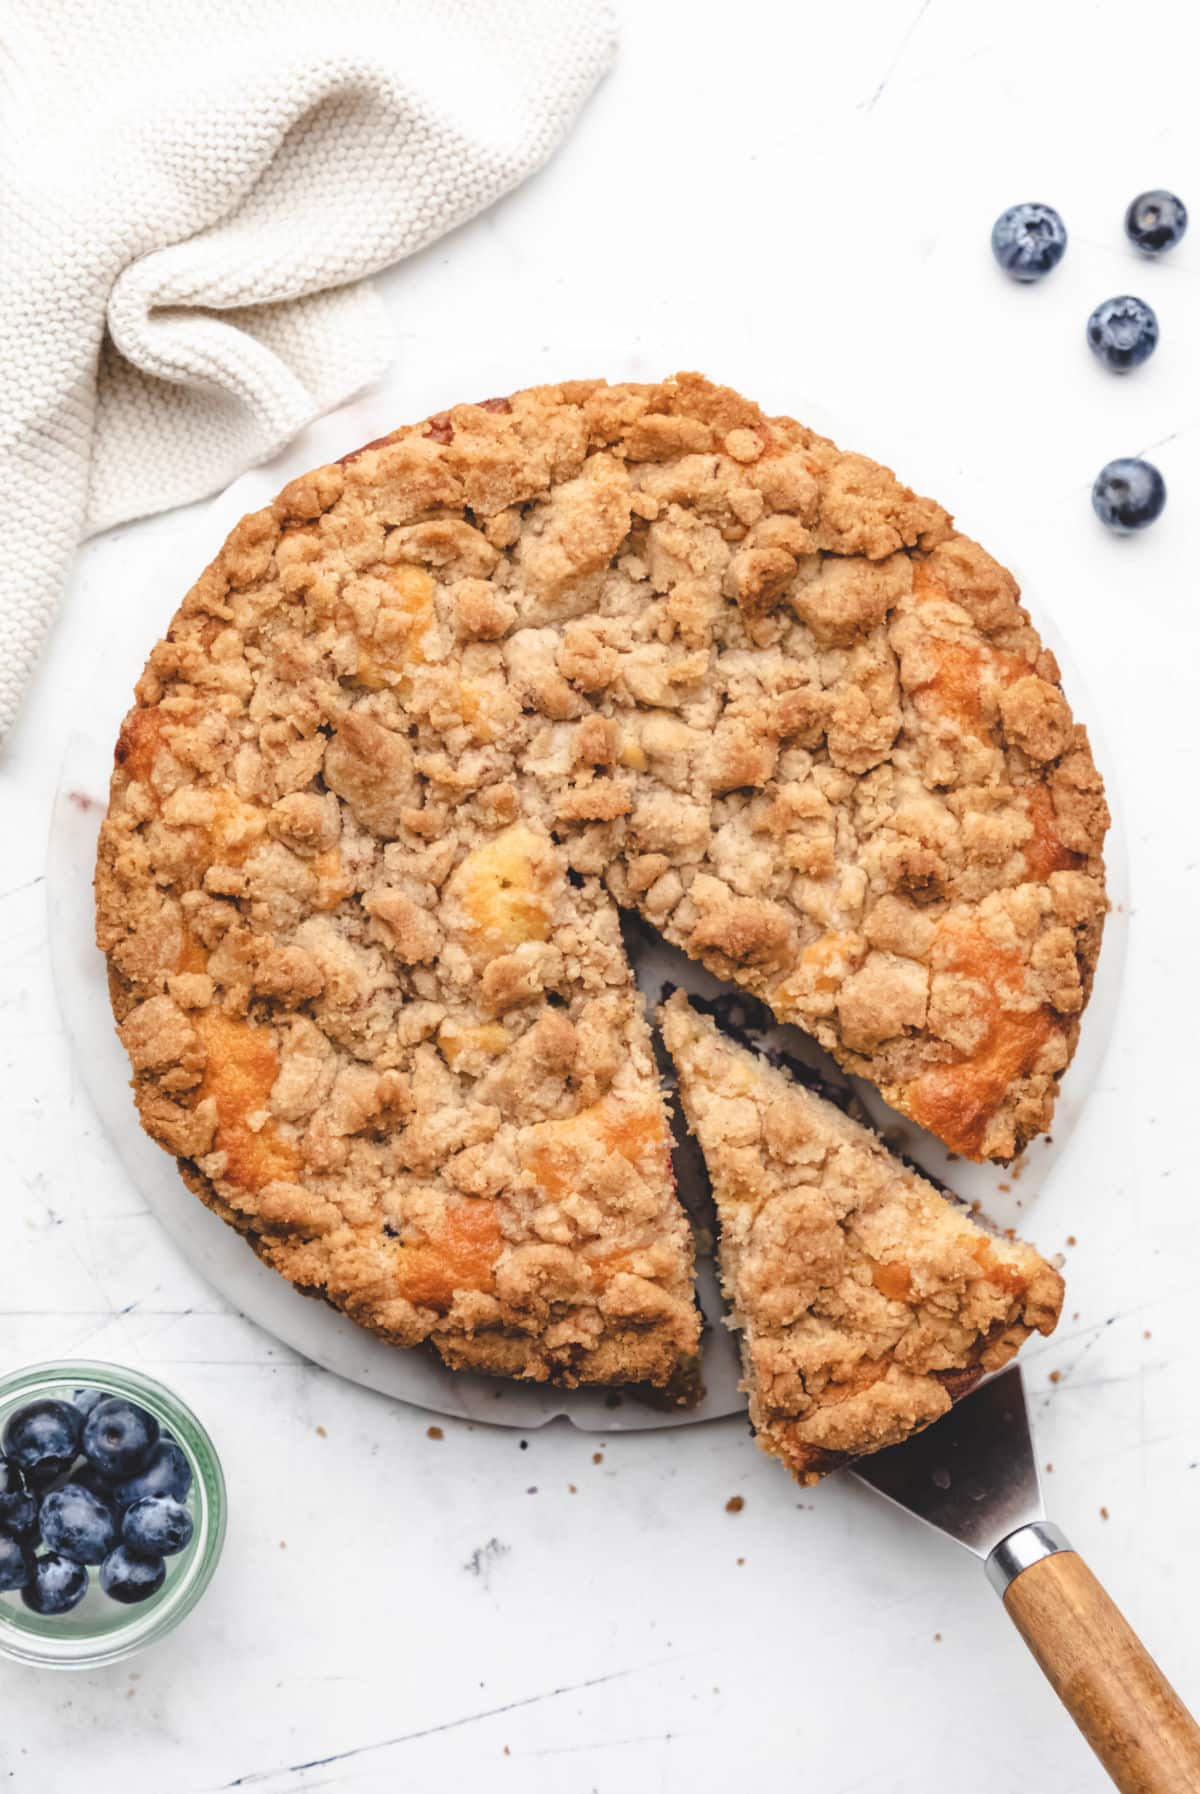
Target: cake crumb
[(321, 1433), (1104, 1513), (1056, 1376), (1005, 1187), (434, 1432), (1071, 1240), (937, 1638), (571, 1489), (597, 1457), (1049, 1469), (735, 1504), (741, 1560)]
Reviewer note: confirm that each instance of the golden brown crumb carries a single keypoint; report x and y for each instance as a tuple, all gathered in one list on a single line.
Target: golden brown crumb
[(321, 1433), (428, 714), (434, 1432), (1056, 1376), (597, 1457), (735, 1504), (1104, 1513), (865, 1301), (1071, 1240)]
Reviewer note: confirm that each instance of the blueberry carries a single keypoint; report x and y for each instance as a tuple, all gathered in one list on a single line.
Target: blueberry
[(1028, 241), (130, 1578), (86, 1399), (1128, 494), (157, 1526), (1123, 332), (88, 1477), (167, 1472), (1155, 221), (119, 1437), (78, 1523), (14, 1563), (43, 1439), (57, 1584), (18, 1508)]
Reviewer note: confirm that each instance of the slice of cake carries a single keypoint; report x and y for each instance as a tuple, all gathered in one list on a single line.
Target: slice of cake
[(866, 1300)]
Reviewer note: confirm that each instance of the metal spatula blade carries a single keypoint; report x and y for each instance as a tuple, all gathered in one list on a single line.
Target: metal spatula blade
[(974, 1476)]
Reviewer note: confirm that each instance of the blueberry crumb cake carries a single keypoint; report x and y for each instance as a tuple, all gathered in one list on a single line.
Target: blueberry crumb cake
[(432, 716), (865, 1300)]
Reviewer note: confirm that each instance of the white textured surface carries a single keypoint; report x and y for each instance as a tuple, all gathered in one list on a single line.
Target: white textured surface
[(797, 202), (190, 197)]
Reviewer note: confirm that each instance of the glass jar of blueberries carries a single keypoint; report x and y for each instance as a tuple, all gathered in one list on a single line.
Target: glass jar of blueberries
[(112, 1513)]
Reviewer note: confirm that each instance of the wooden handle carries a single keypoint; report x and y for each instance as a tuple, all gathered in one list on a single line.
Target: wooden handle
[(1105, 1677)]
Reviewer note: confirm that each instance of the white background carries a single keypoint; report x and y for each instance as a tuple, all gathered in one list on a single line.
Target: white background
[(796, 200)]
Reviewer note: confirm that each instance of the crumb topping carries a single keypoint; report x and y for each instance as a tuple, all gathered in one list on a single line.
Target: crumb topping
[(866, 1302), (429, 714)]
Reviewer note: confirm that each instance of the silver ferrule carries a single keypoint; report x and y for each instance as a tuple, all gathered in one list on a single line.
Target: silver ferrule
[(1028, 1545)]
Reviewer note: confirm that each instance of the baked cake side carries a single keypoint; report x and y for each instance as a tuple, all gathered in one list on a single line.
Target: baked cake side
[(865, 1301)]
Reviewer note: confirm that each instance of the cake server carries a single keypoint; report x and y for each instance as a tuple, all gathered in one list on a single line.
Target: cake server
[(974, 1476)]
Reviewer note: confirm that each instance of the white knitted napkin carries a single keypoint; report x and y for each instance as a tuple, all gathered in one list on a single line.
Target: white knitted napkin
[(190, 194)]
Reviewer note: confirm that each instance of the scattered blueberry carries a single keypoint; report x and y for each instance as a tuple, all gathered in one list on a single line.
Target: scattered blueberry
[(43, 1439), (78, 1523), (58, 1583), (1123, 332), (1028, 241), (130, 1578), (167, 1472), (119, 1437), (1128, 494), (18, 1508), (86, 1399), (157, 1526), (1155, 221), (14, 1563)]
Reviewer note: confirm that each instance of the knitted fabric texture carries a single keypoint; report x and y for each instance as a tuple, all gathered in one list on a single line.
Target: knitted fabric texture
[(191, 194)]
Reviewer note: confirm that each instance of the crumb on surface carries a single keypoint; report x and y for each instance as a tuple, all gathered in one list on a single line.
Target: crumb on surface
[(1071, 1240), (434, 1432), (1104, 1513), (597, 1457), (741, 1560), (320, 1432), (735, 1504), (1056, 1376)]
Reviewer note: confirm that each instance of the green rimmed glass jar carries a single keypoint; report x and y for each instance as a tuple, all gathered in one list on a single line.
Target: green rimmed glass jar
[(100, 1630)]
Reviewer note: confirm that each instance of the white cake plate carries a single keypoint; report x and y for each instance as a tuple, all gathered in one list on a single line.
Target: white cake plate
[(310, 1327)]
